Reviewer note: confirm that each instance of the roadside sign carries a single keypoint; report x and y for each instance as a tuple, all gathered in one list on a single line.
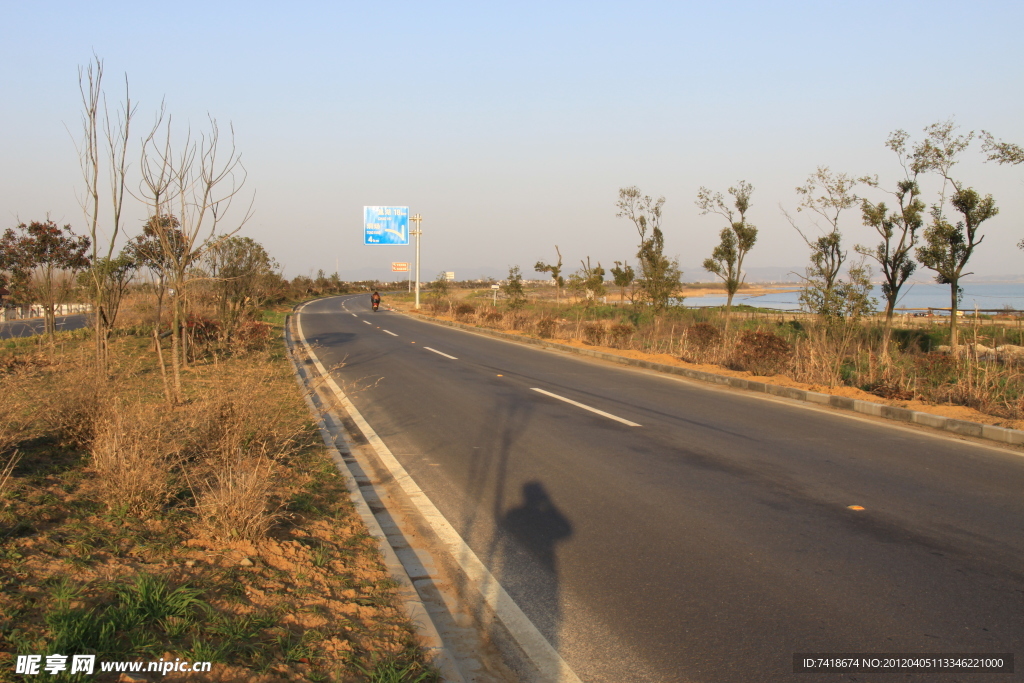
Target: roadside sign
[(399, 267), (450, 276), (386, 225)]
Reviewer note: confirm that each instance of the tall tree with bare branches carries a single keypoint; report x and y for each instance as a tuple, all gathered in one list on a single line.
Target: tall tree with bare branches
[(196, 180), (96, 155)]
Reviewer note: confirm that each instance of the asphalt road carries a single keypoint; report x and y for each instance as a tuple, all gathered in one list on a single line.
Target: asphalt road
[(709, 543), (32, 326)]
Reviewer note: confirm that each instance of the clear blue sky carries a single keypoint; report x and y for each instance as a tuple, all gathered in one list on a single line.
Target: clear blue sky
[(511, 127)]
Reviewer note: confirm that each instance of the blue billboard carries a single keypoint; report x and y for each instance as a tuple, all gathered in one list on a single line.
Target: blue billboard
[(386, 225)]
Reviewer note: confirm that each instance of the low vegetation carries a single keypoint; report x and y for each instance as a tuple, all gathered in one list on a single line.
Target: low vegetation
[(986, 374), (211, 529)]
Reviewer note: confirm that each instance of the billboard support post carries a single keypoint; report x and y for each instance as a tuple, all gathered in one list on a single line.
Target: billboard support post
[(418, 231)]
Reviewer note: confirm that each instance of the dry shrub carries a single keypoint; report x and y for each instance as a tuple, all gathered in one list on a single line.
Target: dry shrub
[(546, 327), (704, 343), (464, 311), (238, 437), (129, 456), (703, 335), (493, 318), (238, 416), (593, 334), (234, 501), (763, 353), (77, 404), (251, 336), (13, 408), (621, 334)]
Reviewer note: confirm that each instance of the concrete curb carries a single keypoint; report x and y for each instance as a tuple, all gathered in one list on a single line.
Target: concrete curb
[(415, 610), (1003, 435)]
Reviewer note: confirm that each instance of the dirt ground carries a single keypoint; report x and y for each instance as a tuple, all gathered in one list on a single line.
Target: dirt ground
[(310, 600)]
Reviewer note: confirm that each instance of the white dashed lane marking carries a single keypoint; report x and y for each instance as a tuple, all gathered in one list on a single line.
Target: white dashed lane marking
[(586, 407)]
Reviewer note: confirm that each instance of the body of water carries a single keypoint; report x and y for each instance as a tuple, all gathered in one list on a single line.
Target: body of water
[(917, 295)]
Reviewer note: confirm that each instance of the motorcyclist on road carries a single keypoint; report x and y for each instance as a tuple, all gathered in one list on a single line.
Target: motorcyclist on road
[(375, 300)]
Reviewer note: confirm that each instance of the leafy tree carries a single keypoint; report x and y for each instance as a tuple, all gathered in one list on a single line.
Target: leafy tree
[(659, 275), (245, 276), (161, 236), (114, 275), (1001, 152), (623, 276), (591, 280), (556, 273), (42, 259), (898, 229), (513, 288), (947, 247), (736, 240), (440, 290), (827, 195), (848, 299), (821, 293)]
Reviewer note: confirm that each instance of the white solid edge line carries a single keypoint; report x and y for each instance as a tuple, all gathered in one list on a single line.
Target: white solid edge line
[(390, 332), (416, 610), (439, 352), (551, 665), (586, 407)]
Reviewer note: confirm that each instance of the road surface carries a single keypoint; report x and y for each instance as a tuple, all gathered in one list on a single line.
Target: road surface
[(33, 326), (655, 529)]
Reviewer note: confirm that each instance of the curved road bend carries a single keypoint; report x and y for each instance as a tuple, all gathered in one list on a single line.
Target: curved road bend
[(710, 543)]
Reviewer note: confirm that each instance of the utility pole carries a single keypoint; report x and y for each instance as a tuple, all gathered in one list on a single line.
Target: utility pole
[(418, 231)]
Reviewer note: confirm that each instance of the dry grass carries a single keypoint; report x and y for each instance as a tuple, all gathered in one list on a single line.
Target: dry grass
[(134, 473), (6, 470), (234, 500), (226, 496)]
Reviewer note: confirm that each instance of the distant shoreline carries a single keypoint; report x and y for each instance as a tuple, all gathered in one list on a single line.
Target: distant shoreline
[(752, 290)]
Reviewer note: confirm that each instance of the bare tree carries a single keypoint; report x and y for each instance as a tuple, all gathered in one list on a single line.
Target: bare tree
[(105, 283), (195, 181), (736, 240), (947, 247), (898, 229)]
